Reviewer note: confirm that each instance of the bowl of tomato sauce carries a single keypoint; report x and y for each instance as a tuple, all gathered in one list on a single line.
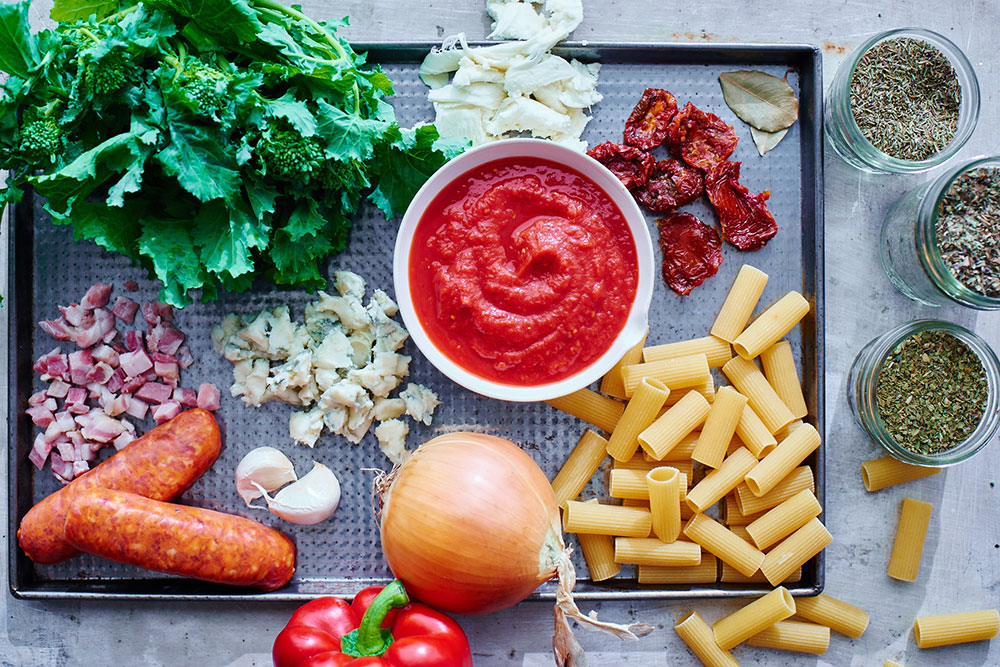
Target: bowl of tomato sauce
[(524, 270)]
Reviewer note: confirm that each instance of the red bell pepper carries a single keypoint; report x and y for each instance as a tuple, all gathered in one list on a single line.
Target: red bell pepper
[(381, 627)]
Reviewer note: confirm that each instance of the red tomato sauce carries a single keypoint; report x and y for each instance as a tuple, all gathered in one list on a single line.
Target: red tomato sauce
[(523, 271)]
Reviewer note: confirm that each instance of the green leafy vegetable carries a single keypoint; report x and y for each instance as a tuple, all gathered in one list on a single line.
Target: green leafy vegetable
[(760, 100), (212, 141)]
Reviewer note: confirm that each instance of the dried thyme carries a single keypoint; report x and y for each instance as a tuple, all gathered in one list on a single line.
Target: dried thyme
[(968, 230), (931, 392), (906, 98)]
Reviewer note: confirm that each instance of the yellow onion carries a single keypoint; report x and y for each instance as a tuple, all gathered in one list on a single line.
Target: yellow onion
[(470, 525)]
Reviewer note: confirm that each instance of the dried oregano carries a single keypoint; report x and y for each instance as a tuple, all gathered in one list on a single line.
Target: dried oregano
[(906, 98), (931, 392), (968, 230)]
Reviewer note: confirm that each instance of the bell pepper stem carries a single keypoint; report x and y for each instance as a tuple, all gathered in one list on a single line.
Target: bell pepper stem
[(371, 638)]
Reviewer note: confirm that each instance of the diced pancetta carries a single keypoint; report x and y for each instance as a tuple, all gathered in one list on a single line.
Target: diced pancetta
[(131, 385), (58, 329), (107, 354), (136, 407), (80, 363), (98, 427), (57, 389), (100, 373), (131, 285), (76, 315), (168, 372), (76, 395), (186, 396), (96, 296), (184, 357), (155, 392), (40, 415), (150, 314), (166, 411), (37, 398), (209, 397), (125, 309), (122, 440), (40, 451), (80, 467), (63, 469), (135, 363)]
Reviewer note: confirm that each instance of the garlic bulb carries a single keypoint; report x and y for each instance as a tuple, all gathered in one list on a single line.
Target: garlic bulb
[(312, 499), (264, 467)]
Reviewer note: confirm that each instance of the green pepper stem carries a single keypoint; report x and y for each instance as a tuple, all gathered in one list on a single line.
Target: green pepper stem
[(370, 638)]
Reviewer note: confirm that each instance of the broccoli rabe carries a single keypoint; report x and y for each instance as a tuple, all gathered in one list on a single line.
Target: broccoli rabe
[(40, 140), (205, 87), (286, 154), (100, 78)]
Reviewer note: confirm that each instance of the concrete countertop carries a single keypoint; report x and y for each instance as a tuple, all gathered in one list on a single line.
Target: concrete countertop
[(961, 564)]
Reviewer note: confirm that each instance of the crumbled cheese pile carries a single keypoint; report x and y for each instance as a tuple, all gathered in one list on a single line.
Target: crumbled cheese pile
[(516, 86), (341, 363)]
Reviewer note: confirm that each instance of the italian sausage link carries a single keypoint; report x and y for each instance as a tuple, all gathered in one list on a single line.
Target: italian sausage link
[(177, 539), (161, 465)]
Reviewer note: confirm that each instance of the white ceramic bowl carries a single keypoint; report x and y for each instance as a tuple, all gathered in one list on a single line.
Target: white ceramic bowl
[(637, 321)]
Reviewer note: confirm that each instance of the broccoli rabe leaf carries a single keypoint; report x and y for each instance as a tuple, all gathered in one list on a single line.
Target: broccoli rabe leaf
[(18, 47), (73, 10), (199, 162), (227, 236)]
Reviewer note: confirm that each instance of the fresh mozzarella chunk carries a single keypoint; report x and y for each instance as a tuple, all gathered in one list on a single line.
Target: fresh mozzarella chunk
[(513, 19), (461, 122), (485, 95), (518, 114), (527, 76)]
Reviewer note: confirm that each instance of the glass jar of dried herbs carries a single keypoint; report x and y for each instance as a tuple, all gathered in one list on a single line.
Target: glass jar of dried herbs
[(928, 392), (940, 243), (904, 101)]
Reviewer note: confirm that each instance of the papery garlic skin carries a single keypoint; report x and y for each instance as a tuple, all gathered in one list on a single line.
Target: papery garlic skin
[(262, 468), (312, 499)]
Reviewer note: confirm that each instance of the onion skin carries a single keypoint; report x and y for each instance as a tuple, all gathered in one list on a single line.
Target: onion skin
[(470, 524)]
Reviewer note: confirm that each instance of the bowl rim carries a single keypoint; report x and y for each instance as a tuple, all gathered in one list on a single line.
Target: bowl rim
[(636, 324)]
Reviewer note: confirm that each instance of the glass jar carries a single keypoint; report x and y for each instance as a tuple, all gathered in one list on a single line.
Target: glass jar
[(846, 138), (862, 382), (909, 249)]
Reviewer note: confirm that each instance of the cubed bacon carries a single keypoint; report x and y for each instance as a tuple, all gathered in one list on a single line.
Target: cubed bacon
[(131, 285), (76, 437), (136, 408), (209, 396), (41, 364), (84, 450), (66, 449), (79, 468), (80, 363), (76, 315), (165, 310), (150, 313), (169, 373), (58, 367), (117, 406), (94, 390), (110, 336), (58, 329), (184, 357), (165, 339), (116, 381), (63, 422), (37, 398), (62, 469), (107, 354), (135, 363), (119, 347), (163, 358), (186, 397), (41, 416), (78, 408), (40, 451), (76, 395), (57, 389), (100, 427), (123, 440), (166, 411), (133, 341), (104, 323), (125, 309), (101, 373), (155, 392), (50, 404), (97, 295), (132, 384)]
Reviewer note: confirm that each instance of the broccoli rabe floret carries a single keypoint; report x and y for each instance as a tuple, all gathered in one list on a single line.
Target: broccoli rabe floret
[(40, 139), (104, 77), (286, 154), (205, 87)]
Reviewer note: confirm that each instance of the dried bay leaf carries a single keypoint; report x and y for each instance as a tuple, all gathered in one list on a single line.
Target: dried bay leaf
[(765, 141), (761, 100)]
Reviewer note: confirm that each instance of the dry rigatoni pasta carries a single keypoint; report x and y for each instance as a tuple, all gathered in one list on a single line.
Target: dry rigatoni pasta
[(679, 452), (705, 572), (739, 303), (664, 489), (795, 550), (676, 373), (668, 430), (779, 369), (629, 484), (719, 427), (611, 383), (751, 430), (836, 614), (597, 519), (719, 540), (771, 325), (798, 479), (750, 382), (789, 453), (701, 640), (787, 429), (716, 350), (732, 514), (730, 575), (878, 474), (794, 636), (652, 551), (908, 547), (753, 618), (891, 663), (718, 483), (784, 519), (639, 413), (599, 554), (579, 467), (966, 626), (591, 407), (706, 389)]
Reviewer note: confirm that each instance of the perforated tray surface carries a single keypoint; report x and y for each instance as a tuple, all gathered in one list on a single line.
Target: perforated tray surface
[(342, 555)]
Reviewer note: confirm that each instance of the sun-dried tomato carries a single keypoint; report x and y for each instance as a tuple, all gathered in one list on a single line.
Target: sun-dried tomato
[(671, 184), (646, 127), (746, 222), (700, 138), (691, 249), (629, 164)]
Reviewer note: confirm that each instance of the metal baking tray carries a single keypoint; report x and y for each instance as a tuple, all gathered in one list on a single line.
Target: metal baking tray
[(343, 555)]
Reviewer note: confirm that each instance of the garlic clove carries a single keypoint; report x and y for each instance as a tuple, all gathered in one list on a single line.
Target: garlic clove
[(262, 468), (312, 499)]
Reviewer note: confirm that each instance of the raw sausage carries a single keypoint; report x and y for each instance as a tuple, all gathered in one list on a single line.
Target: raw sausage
[(178, 539), (161, 465)]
